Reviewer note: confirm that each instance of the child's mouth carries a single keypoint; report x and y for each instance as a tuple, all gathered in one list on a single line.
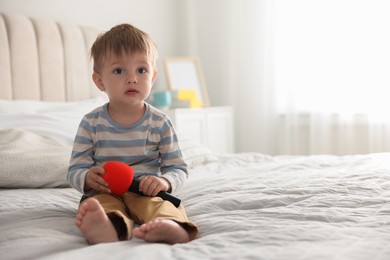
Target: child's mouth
[(131, 91)]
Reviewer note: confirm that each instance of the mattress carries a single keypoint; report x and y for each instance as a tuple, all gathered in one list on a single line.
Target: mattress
[(247, 206)]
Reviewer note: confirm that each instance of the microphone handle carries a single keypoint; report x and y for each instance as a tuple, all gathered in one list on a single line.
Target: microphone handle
[(134, 187)]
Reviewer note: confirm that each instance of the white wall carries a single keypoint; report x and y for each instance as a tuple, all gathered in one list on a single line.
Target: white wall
[(202, 28), (178, 27), (159, 18)]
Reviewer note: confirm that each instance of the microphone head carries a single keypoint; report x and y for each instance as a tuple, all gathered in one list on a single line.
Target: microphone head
[(119, 176)]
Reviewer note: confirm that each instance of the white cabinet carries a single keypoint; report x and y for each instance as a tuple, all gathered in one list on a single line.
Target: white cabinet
[(210, 126)]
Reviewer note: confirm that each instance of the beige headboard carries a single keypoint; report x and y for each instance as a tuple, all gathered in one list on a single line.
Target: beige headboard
[(41, 59)]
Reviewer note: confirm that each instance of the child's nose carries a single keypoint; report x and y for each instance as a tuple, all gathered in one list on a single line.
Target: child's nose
[(131, 78)]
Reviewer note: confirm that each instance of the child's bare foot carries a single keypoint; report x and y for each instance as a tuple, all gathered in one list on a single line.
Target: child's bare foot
[(94, 223), (164, 230)]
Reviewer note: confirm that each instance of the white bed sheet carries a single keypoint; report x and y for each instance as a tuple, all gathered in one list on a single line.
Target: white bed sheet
[(247, 206)]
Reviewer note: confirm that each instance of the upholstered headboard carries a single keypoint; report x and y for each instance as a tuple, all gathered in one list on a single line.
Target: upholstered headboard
[(41, 59)]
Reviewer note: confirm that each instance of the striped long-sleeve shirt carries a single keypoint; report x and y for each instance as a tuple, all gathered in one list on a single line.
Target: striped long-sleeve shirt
[(150, 146)]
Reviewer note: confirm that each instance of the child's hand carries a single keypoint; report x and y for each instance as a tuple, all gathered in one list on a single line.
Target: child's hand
[(151, 185), (95, 181)]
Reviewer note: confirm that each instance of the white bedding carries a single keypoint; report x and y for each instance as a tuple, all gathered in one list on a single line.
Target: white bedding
[(247, 206)]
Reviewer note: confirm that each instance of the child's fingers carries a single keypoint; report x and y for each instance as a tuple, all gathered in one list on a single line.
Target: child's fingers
[(103, 185), (153, 189), (97, 182), (150, 186)]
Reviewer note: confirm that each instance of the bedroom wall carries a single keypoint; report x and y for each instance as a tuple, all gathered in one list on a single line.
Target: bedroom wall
[(179, 27), (200, 28), (158, 18)]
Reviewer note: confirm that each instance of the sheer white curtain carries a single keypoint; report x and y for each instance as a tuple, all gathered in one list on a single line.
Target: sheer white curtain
[(304, 76), (332, 75)]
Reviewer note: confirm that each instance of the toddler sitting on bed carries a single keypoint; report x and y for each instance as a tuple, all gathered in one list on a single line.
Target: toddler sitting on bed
[(129, 130)]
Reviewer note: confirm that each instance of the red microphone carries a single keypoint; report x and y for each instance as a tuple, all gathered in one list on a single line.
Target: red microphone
[(120, 179)]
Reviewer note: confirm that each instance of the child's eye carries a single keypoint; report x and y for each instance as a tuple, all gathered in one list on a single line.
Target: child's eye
[(118, 71), (141, 70)]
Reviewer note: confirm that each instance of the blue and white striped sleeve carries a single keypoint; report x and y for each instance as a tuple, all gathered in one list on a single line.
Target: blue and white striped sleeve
[(173, 167), (82, 157)]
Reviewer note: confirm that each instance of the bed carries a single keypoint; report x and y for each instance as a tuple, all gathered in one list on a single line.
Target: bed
[(247, 205)]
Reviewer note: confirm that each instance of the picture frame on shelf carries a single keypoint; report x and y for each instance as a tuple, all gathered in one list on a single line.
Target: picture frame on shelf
[(185, 73)]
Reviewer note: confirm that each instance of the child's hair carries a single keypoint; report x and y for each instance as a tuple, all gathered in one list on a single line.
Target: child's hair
[(122, 38)]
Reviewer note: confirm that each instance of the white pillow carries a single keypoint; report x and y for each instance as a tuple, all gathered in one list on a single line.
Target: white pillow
[(194, 153), (58, 120), (29, 160)]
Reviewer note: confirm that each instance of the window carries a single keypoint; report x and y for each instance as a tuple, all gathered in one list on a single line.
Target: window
[(332, 56)]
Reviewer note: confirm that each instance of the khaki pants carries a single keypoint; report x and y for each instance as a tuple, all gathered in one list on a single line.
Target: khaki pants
[(133, 208)]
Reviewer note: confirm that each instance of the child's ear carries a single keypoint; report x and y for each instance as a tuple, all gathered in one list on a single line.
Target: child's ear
[(98, 81), (154, 76)]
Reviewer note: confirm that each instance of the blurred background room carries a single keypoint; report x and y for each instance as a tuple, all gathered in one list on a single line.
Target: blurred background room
[(301, 77)]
